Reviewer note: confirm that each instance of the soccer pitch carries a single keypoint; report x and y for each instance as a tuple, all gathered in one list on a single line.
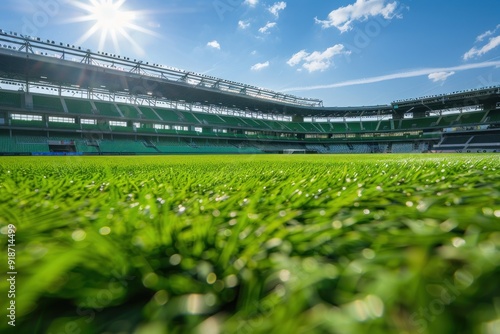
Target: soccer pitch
[(251, 244)]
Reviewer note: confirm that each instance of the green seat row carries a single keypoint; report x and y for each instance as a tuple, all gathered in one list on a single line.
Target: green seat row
[(107, 109), (80, 107), (11, 99), (47, 102), (129, 111)]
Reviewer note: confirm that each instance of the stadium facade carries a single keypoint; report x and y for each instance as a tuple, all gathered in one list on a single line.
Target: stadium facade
[(58, 99)]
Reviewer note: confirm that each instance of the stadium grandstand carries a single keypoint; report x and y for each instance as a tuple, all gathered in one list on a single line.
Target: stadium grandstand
[(58, 99)]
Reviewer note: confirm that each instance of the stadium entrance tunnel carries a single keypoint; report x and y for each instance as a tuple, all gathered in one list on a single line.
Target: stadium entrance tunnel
[(62, 146)]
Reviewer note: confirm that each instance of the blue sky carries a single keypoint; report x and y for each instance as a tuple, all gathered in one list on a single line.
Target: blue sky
[(345, 52)]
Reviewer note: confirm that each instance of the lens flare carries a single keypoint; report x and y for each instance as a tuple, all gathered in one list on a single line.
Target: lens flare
[(111, 21)]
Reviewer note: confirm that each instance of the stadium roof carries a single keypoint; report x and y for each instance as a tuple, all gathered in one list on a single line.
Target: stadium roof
[(36, 61), (36, 58)]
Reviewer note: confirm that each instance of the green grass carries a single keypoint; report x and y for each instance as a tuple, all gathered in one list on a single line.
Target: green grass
[(254, 244)]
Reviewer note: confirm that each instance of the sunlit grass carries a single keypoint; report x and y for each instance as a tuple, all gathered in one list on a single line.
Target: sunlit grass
[(255, 244)]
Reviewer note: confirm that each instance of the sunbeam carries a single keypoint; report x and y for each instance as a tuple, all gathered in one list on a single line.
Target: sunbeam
[(111, 23)]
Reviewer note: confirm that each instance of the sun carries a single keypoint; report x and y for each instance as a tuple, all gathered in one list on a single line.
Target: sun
[(110, 17), (111, 21)]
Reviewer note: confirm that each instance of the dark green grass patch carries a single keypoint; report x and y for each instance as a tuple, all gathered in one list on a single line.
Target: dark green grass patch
[(253, 244)]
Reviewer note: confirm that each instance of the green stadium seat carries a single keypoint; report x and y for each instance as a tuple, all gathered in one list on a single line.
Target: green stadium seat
[(187, 117), (168, 115), (129, 111), (82, 146), (68, 126), (448, 120), (353, 126), (49, 103), (385, 125), (233, 121), (81, 107), (125, 146), (324, 127), (166, 131), (11, 99), (369, 125), (28, 124), (472, 117), (148, 113), (23, 144), (123, 129), (145, 129), (95, 127), (493, 116), (209, 118), (252, 123), (419, 123), (303, 127), (107, 109), (284, 125)]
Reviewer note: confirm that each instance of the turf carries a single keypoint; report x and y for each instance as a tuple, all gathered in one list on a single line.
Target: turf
[(254, 244)]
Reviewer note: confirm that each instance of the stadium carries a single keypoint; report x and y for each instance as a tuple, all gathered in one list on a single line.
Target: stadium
[(72, 101), (139, 198)]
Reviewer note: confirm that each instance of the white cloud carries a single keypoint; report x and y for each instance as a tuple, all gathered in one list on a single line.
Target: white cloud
[(400, 75), (260, 66), (440, 76), (342, 18), (243, 24), (214, 44), (251, 3), (488, 33), (317, 61), (297, 58), (265, 29), (277, 8), (493, 42)]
